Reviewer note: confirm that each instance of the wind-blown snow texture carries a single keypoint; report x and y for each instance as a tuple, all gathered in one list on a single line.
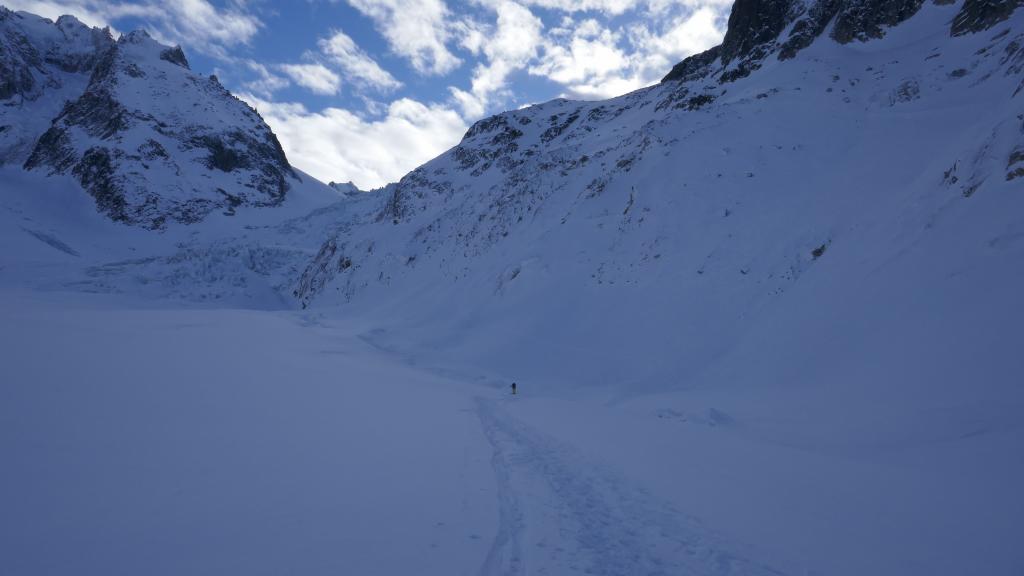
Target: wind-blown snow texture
[(764, 318)]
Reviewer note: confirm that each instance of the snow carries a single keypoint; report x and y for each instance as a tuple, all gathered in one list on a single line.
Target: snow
[(642, 266), (275, 446), (141, 437), (246, 259), (776, 334), (68, 41)]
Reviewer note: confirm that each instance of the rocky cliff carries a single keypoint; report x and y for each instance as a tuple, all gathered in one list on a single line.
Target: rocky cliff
[(782, 28), (150, 140)]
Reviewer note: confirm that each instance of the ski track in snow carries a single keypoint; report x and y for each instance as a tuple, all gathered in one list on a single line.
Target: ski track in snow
[(559, 514)]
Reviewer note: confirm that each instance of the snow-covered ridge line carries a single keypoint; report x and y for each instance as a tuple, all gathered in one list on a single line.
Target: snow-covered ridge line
[(709, 200), (149, 139), (762, 28)]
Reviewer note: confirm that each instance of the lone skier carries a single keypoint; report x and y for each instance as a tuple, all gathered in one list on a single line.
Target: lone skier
[(513, 388)]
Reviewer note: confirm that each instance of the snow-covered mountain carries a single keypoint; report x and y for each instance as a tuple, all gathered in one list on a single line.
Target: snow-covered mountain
[(764, 318), (150, 140), (802, 168)]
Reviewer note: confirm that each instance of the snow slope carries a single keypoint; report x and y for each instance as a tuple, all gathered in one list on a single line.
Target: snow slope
[(55, 240), (634, 242)]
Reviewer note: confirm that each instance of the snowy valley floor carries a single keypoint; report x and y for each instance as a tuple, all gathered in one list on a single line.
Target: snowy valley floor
[(142, 440)]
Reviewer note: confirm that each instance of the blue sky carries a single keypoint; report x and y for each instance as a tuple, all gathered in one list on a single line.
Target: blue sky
[(366, 90)]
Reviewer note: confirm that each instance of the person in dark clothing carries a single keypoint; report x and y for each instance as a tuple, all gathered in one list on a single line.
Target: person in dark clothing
[(513, 388)]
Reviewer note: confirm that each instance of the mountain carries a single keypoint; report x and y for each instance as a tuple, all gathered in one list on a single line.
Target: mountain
[(759, 29), (764, 318), (345, 188), (814, 158), (75, 101), (831, 159), (39, 59)]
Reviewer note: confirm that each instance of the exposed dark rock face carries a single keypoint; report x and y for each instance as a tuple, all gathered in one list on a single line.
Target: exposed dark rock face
[(14, 80), (321, 270), (92, 44), (867, 19), (28, 65), (97, 172), (152, 142), (17, 57), (979, 15), (175, 56), (222, 157), (753, 25), (1015, 165), (757, 29), (808, 27), (694, 67)]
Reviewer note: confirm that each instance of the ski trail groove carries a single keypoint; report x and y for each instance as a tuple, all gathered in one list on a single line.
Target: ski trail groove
[(561, 515)]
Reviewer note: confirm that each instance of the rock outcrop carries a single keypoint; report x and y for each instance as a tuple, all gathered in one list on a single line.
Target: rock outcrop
[(762, 28), (152, 141)]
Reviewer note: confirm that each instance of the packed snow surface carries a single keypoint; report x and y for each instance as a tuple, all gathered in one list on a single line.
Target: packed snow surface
[(161, 440)]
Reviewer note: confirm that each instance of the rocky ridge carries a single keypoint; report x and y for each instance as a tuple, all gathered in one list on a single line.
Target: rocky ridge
[(149, 139), (557, 157), (760, 28)]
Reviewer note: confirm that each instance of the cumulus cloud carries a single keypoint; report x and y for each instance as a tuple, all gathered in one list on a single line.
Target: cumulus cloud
[(335, 144), (587, 51), (591, 60), (317, 77), (266, 82), (357, 64), (418, 30), (591, 53), (681, 36), (507, 47), (200, 25)]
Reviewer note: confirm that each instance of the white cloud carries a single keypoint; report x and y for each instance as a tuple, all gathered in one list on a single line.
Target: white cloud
[(591, 52), (266, 82), (335, 144), (680, 37), (591, 61), (315, 76), (657, 7), (608, 7), (418, 30), (89, 12), (356, 64), (586, 57), (197, 24), (509, 46), (471, 105)]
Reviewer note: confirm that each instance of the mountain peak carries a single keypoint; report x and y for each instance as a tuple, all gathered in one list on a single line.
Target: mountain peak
[(149, 139), (135, 37), (760, 28)]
